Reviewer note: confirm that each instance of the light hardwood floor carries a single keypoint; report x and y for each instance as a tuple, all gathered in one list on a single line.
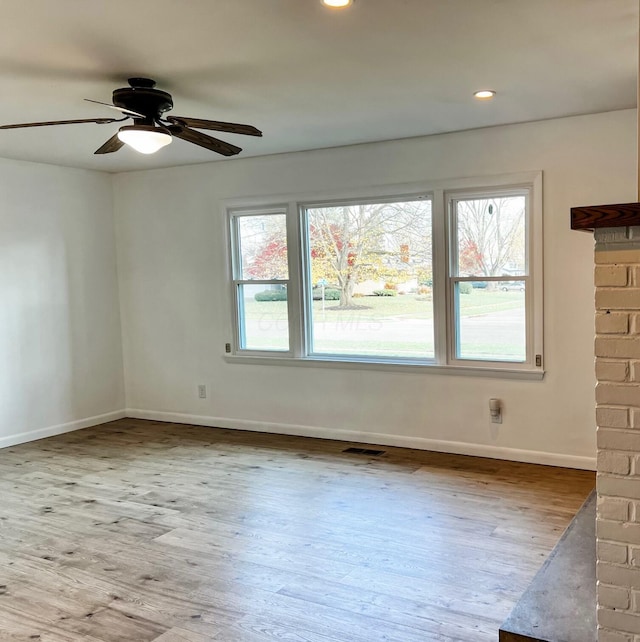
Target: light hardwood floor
[(136, 531)]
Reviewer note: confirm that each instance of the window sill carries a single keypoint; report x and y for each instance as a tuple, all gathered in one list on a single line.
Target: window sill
[(424, 367)]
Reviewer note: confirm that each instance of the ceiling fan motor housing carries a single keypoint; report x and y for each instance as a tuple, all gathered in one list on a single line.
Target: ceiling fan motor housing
[(143, 98)]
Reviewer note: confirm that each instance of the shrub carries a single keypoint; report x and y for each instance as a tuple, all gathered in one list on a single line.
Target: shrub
[(465, 287), (271, 295), (385, 292), (330, 294)]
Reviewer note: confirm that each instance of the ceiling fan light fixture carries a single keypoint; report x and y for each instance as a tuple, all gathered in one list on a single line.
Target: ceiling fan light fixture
[(337, 4), (144, 138)]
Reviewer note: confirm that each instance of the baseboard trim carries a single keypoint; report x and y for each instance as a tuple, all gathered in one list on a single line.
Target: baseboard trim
[(419, 443), (50, 431)]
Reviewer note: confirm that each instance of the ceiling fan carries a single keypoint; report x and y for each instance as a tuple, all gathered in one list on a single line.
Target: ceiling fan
[(145, 105)]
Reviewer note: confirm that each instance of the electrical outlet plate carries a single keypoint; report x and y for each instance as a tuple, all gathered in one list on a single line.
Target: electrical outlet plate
[(202, 391)]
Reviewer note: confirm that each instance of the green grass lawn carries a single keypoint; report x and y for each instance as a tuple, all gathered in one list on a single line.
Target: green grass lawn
[(409, 305), (397, 326)]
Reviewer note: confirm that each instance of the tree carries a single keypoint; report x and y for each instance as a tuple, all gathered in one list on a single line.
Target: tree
[(339, 245), (491, 236), (263, 243), (352, 243), (271, 260), (469, 256)]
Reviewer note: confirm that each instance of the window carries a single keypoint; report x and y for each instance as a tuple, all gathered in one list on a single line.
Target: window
[(364, 259), (447, 277), (489, 249), (262, 275)]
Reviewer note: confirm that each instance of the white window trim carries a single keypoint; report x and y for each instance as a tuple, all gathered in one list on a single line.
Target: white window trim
[(438, 191)]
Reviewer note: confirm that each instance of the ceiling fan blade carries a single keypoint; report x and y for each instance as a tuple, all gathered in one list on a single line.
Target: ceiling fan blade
[(200, 123), (208, 142), (124, 111), (100, 121), (112, 145)]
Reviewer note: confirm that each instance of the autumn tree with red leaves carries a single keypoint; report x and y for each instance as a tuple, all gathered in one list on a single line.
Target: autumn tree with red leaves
[(491, 236), (352, 243), (270, 262)]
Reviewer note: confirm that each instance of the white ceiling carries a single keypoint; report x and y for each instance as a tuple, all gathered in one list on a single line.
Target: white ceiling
[(309, 77)]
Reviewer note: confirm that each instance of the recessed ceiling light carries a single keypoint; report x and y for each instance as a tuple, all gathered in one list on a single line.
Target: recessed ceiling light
[(484, 94), (337, 4)]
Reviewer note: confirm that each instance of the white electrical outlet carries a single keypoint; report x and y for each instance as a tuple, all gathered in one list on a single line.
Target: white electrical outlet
[(202, 391)]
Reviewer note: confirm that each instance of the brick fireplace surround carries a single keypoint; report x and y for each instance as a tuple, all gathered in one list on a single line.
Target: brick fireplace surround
[(617, 364)]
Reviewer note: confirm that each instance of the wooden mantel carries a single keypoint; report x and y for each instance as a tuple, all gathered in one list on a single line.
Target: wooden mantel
[(593, 216)]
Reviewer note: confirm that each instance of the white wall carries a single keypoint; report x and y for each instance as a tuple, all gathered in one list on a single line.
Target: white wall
[(175, 323), (60, 344)]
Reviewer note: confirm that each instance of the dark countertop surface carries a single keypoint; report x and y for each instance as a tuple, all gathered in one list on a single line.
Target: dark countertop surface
[(560, 603)]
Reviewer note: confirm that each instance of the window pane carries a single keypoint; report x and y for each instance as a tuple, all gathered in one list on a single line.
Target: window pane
[(371, 276), (264, 318), (263, 247), (491, 236), (491, 323)]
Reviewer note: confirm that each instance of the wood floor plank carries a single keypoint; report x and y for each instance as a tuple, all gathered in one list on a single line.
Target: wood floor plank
[(146, 531), (182, 635)]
